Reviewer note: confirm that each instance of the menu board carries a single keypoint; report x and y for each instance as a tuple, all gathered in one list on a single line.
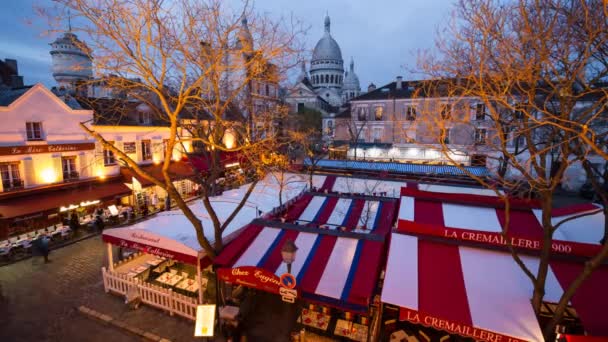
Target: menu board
[(205, 320)]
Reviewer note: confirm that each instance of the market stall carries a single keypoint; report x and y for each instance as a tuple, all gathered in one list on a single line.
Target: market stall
[(337, 265), (488, 297)]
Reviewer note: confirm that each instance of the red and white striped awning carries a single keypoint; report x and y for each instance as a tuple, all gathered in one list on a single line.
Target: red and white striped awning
[(481, 293), (481, 219), (341, 271)]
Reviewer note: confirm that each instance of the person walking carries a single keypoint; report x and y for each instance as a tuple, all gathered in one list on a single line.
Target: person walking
[(40, 247), (74, 223)]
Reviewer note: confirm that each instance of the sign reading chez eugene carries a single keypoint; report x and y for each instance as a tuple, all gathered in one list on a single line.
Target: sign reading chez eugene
[(251, 276), (51, 148), (497, 239)]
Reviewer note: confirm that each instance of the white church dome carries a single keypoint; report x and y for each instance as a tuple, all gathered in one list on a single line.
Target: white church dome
[(327, 47)]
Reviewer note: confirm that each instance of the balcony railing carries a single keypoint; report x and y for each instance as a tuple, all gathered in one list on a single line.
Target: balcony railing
[(70, 176), (11, 185)]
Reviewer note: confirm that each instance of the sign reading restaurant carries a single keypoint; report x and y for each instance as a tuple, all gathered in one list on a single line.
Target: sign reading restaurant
[(51, 148)]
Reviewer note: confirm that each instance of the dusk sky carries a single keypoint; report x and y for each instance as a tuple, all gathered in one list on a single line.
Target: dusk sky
[(383, 36)]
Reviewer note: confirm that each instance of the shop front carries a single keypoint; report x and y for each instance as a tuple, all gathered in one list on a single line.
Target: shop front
[(167, 273), (331, 276), (37, 209), (457, 239)]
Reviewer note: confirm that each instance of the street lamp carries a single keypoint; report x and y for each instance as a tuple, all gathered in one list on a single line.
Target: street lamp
[(288, 252)]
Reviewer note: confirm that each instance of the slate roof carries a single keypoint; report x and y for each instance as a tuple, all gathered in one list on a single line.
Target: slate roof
[(9, 96)]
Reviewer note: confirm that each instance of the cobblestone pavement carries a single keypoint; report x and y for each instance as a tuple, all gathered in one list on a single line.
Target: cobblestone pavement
[(40, 301)]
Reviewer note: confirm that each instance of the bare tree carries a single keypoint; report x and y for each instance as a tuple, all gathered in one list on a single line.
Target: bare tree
[(192, 63), (528, 83), (310, 143)]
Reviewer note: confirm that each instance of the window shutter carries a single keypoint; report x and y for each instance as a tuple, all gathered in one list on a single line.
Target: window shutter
[(29, 175), (57, 167), (82, 165)]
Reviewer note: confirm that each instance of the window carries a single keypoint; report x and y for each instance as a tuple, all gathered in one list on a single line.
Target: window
[(267, 90), (362, 113), (445, 135), (377, 135), (11, 179), (480, 111), (68, 165), (519, 114), (480, 136), (410, 114), (143, 118), (446, 112), (34, 130), (146, 150), (129, 147), (378, 111), (108, 156)]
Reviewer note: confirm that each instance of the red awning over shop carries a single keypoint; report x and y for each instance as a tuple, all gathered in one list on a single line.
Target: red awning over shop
[(480, 293), (201, 163), (482, 219), (52, 200), (341, 271), (177, 170)]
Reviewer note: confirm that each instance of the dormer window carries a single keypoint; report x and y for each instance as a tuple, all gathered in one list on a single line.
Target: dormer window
[(144, 118), (34, 130)]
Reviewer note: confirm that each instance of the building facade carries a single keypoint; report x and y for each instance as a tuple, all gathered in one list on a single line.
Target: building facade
[(326, 87), (411, 121)]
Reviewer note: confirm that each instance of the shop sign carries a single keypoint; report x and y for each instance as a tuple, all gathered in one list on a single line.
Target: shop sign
[(76, 206), (150, 249), (497, 239), (51, 148), (452, 327), (25, 218), (288, 295), (205, 320), (251, 276)]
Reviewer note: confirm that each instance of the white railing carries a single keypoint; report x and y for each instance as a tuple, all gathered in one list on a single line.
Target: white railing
[(156, 296)]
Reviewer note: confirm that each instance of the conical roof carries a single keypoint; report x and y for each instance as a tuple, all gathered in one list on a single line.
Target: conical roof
[(351, 80)]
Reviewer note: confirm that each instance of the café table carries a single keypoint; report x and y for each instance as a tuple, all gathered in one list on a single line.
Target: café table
[(351, 330), (315, 319), (169, 279)]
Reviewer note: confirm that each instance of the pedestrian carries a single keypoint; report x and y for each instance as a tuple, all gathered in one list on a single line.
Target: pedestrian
[(74, 222), (40, 246), (99, 225), (132, 298)]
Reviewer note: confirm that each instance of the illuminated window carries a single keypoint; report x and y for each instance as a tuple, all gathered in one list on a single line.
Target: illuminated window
[(146, 150), (68, 165), (10, 176), (378, 112), (34, 130), (108, 156)]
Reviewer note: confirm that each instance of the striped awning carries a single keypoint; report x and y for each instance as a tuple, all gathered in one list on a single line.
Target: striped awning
[(340, 271), (480, 293)]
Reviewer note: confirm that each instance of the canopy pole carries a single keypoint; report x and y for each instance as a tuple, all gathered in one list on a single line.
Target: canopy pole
[(110, 256), (200, 280)]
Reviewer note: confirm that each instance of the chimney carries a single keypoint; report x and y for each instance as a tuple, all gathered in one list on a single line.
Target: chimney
[(12, 64), (399, 85), (371, 87)]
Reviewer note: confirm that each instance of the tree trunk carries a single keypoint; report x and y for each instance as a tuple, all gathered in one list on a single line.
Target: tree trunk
[(543, 265)]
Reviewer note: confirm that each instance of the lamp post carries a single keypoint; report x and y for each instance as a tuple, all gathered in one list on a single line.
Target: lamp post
[(288, 252)]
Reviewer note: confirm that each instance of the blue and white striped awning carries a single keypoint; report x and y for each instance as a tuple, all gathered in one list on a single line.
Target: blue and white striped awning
[(404, 168)]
